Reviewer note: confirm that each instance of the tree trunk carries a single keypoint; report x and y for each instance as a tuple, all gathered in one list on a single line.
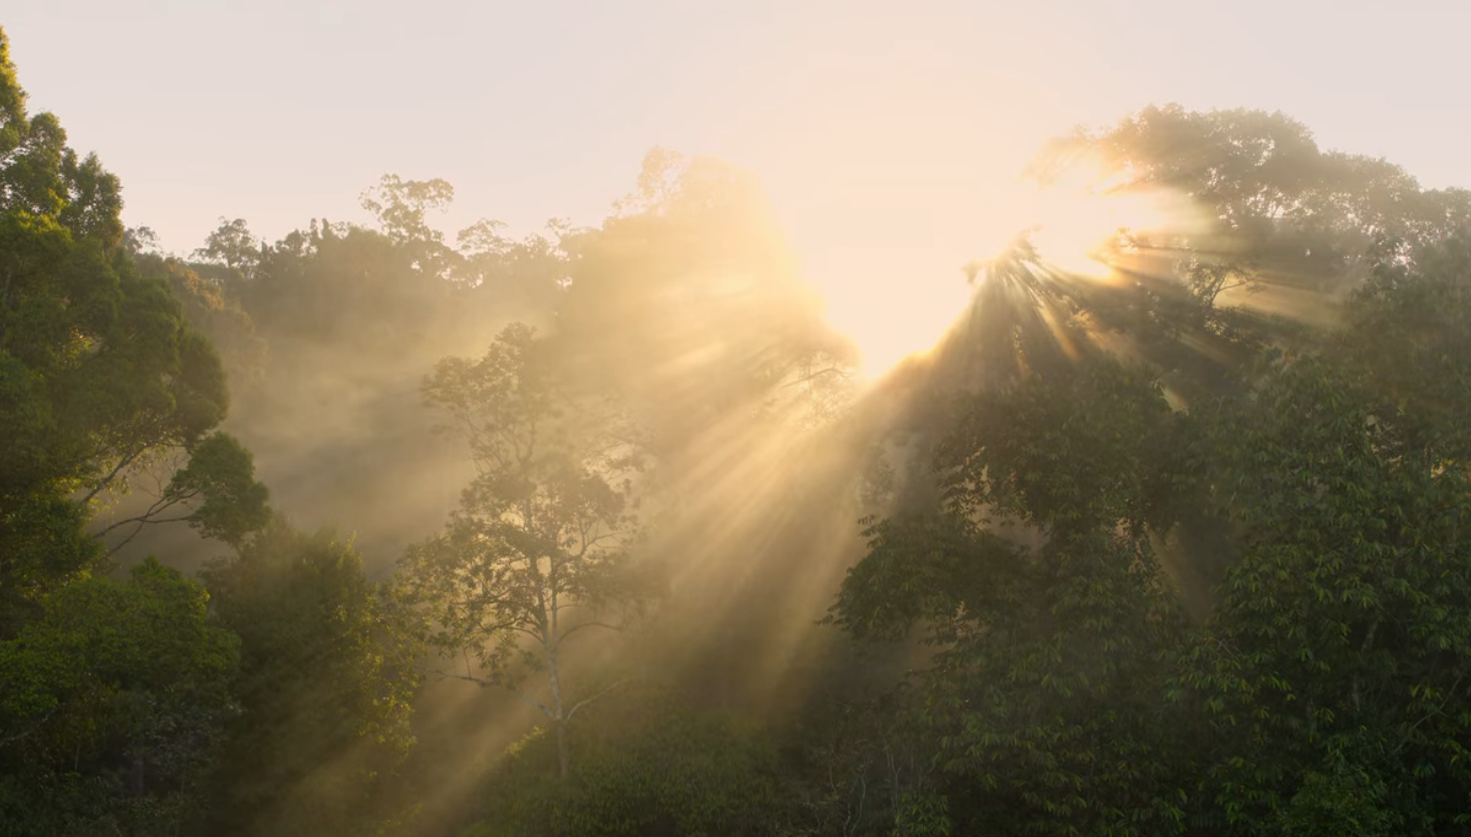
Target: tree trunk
[(562, 765), (559, 718)]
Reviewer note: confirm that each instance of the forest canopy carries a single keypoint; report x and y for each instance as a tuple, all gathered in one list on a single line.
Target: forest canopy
[(609, 531)]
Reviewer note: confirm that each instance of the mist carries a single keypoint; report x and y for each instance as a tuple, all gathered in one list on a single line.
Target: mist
[(896, 471)]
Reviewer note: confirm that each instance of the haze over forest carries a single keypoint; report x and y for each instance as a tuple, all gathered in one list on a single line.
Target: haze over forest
[(931, 472)]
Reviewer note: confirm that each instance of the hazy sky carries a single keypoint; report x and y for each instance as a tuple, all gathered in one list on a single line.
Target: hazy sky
[(887, 133)]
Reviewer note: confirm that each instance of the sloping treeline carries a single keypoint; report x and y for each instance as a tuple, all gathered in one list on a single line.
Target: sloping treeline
[(1150, 556)]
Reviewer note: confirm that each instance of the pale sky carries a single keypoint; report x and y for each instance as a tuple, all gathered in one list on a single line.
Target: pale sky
[(888, 134)]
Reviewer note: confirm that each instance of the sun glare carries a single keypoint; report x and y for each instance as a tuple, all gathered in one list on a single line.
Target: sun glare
[(1067, 220), (889, 323), (1077, 213)]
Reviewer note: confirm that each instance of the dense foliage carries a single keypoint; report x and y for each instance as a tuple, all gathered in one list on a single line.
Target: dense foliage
[(325, 680)]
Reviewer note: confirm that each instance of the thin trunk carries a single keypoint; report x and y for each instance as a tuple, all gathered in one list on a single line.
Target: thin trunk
[(559, 717), (554, 612)]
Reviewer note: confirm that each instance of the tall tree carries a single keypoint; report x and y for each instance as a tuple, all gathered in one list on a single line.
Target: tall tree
[(1276, 207), (233, 245), (400, 206), (537, 552), (1322, 690), (1047, 666), (1337, 666), (99, 373)]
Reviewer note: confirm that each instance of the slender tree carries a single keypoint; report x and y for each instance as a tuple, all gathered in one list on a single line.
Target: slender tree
[(538, 550)]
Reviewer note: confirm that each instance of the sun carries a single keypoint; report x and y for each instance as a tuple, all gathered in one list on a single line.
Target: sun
[(1086, 205), (889, 323), (890, 318)]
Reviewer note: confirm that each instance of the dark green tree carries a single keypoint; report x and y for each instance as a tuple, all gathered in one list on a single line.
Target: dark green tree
[(1042, 697), (99, 373), (112, 703), (326, 682), (1335, 668)]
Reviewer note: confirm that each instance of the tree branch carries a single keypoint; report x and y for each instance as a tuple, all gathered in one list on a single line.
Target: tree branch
[(598, 695), (580, 625), (486, 683), (141, 521), (815, 375), (538, 704), (482, 682), (144, 519), (107, 480)]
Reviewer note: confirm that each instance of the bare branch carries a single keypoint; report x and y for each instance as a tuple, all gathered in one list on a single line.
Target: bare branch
[(482, 682), (600, 694), (818, 374), (108, 480), (141, 521), (538, 704), (487, 682), (580, 625), (146, 518)]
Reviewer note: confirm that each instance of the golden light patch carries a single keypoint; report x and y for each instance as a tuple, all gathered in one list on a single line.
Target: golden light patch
[(1074, 222)]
